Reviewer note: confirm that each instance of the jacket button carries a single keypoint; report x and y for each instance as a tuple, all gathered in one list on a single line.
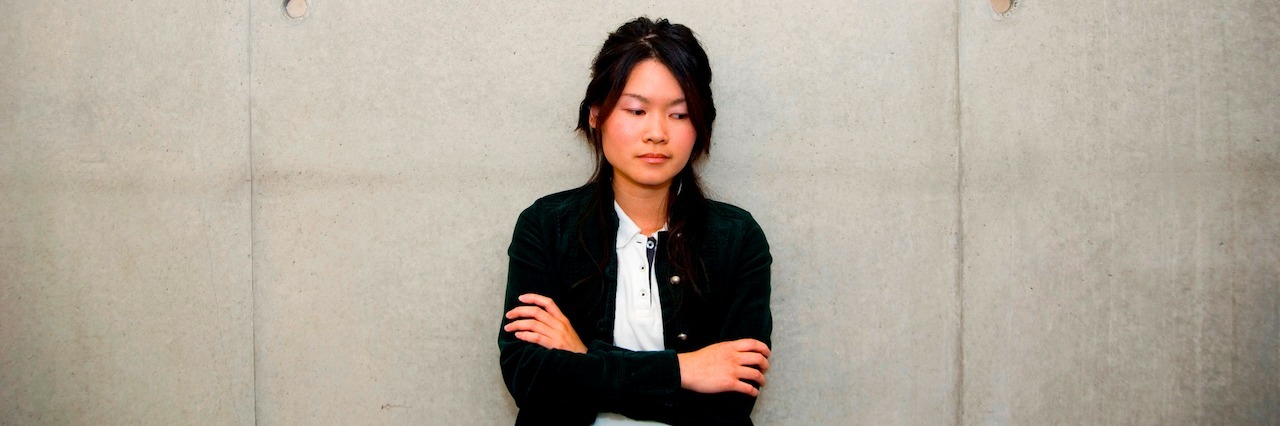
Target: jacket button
[(675, 279), (682, 336)]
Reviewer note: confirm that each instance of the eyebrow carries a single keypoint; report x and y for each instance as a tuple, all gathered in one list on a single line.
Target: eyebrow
[(646, 100)]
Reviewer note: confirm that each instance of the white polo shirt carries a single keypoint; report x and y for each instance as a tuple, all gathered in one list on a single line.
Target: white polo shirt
[(637, 323)]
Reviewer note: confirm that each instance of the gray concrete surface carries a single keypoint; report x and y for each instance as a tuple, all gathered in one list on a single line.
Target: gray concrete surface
[(1121, 213), (219, 214), (395, 144), (125, 289)]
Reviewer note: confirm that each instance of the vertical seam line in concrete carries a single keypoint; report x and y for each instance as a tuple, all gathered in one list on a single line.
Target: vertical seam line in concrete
[(253, 208), (959, 240)]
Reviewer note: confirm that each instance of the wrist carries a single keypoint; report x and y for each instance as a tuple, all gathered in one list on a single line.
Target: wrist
[(683, 367)]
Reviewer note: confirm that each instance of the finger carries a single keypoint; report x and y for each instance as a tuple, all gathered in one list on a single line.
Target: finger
[(530, 325), (751, 345), (764, 364), (743, 387), (543, 301), (535, 313), (523, 310), (753, 359), (751, 374), (547, 325), (534, 338)]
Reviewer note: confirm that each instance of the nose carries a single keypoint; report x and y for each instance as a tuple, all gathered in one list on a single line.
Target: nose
[(656, 129)]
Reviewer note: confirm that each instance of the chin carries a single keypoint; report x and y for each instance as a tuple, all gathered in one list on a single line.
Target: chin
[(654, 183), (660, 184), (659, 181), (651, 180)]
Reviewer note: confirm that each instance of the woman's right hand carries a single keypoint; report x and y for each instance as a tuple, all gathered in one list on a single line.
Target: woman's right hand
[(542, 323), (722, 367)]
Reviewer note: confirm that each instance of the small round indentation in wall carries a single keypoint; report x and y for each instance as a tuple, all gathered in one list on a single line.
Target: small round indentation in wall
[(1003, 8), (295, 9)]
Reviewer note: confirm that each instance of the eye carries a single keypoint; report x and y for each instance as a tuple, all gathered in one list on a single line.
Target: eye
[(635, 111), (680, 116)]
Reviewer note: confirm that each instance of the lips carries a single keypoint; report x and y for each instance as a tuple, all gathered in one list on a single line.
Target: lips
[(654, 158)]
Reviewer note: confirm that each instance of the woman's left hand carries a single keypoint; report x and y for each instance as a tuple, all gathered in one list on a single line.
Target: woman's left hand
[(543, 324)]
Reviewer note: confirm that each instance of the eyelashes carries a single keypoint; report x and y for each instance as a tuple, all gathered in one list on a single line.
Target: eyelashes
[(640, 112)]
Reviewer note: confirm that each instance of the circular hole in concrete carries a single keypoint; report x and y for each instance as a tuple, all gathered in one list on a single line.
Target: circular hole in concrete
[(1001, 6), (295, 9)]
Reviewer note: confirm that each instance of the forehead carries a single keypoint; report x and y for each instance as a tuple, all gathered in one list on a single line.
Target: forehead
[(651, 81)]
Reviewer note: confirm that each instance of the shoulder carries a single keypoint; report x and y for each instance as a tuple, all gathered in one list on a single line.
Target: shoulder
[(733, 238), (542, 226), (568, 203), (723, 216), (732, 229)]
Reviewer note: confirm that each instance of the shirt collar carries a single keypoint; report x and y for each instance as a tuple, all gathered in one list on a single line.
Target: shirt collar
[(627, 230)]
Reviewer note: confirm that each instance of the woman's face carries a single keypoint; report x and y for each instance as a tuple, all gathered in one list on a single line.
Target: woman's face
[(648, 135)]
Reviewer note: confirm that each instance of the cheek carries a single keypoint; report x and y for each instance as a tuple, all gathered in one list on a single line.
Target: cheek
[(686, 139), (612, 145), (617, 134), (616, 129)]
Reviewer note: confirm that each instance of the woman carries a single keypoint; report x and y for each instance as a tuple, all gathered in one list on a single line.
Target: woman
[(634, 298)]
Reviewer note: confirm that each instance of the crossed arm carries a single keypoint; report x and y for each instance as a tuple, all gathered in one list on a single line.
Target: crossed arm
[(549, 368), (719, 367)]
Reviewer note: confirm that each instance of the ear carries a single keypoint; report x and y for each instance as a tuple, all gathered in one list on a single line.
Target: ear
[(594, 119)]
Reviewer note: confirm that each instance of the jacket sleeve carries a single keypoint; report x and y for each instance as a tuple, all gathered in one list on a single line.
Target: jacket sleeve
[(745, 296), (545, 379)]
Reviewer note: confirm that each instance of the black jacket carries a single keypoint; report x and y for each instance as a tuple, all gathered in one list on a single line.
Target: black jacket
[(554, 254)]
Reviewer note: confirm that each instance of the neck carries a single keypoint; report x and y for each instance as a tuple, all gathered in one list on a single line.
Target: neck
[(647, 207)]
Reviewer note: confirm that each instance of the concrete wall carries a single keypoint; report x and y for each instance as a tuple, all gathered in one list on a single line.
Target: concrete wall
[(1121, 204), (213, 213), (125, 223)]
